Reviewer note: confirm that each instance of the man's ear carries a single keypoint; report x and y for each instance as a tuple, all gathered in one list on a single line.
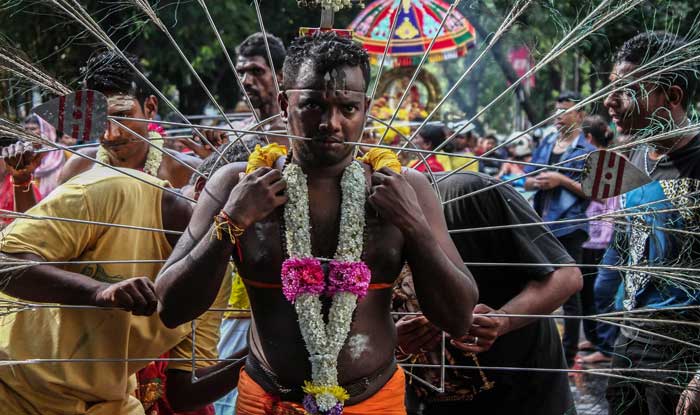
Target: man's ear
[(150, 107), (199, 185), (368, 101), (283, 102), (675, 95), (280, 77)]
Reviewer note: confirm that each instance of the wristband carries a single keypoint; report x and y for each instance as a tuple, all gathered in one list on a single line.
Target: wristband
[(25, 185)]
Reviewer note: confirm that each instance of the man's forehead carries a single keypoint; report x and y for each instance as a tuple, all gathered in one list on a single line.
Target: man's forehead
[(564, 104), (248, 62), (121, 102), (330, 93), (621, 70), (344, 78)]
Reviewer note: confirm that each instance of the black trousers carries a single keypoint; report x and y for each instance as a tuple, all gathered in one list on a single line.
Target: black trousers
[(588, 301), (628, 397), (573, 243)]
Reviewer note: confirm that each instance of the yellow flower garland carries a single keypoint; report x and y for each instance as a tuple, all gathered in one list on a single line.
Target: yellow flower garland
[(337, 391), (266, 156)]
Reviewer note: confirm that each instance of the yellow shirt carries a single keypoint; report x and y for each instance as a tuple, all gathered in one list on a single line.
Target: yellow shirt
[(238, 301), (454, 162), (103, 195)]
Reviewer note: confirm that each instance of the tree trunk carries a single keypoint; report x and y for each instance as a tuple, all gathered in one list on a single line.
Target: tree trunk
[(502, 60)]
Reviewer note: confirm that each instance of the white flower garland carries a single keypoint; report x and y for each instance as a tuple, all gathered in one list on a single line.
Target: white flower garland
[(153, 159), (324, 342), (336, 5)]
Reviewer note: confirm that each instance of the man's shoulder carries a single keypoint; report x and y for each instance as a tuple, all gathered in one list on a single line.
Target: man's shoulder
[(227, 176), (190, 160), (78, 161), (465, 181), (105, 182)]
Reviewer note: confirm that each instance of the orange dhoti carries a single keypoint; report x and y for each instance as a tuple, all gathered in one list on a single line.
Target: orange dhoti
[(253, 400)]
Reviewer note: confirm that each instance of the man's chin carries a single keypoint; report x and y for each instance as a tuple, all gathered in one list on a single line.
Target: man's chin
[(323, 156), (255, 102), (120, 153)]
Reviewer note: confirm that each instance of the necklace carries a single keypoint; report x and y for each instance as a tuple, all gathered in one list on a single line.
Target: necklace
[(304, 282), (662, 156), (646, 161), (154, 158)]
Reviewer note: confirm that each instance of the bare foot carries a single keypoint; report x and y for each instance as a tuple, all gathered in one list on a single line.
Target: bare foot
[(596, 357)]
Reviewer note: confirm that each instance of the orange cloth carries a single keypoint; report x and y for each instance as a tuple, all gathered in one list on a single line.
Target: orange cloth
[(253, 400)]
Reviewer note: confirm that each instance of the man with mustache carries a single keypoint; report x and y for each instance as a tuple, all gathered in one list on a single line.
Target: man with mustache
[(664, 234), (257, 75), (128, 96), (324, 99)]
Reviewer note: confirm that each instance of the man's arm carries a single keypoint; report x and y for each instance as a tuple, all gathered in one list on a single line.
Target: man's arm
[(552, 179), (25, 198), (21, 162), (76, 165), (191, 278), (542, 297), (215, 381), (442, 282), (531, 183), (538, 298), (49, 284)]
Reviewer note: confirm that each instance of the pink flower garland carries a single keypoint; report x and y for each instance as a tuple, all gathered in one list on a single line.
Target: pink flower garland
[(301, 276), (348, 276), (305, 276)]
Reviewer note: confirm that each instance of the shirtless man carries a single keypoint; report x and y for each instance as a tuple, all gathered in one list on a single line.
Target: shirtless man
[(324, 99), (128, 97)]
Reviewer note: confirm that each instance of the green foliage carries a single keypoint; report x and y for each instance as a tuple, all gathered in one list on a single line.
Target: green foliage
[(60, 46)]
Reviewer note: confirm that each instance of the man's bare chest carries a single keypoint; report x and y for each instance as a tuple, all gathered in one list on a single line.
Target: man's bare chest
[(263, 247)]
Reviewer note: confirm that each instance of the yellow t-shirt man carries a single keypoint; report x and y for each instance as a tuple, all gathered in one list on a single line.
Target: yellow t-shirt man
[(455, 162), (94, 388)]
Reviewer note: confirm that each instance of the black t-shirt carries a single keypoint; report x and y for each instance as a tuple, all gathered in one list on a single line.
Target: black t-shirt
[(555, 158), (499, 206), (684, 162), (535, 345)]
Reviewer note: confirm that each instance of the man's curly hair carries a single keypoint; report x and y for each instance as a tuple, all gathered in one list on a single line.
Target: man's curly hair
[(108, 73), (326, 51), (254, 45), (648, 46)]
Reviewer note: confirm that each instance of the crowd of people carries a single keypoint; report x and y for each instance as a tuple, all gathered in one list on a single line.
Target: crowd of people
[(267, 238)]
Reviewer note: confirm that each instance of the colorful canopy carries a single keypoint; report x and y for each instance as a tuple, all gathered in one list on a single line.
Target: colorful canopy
[(418, 22)]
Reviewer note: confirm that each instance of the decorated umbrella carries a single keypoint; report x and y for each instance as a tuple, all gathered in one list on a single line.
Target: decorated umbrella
[(418, 22)]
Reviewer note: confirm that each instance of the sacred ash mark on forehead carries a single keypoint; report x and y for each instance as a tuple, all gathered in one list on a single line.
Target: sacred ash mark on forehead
[(121, 102), (344, 78), (335, 80)]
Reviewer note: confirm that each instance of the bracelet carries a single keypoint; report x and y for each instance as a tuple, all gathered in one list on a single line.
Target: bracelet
[(25, 186), (237, 230), (224, 223)]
